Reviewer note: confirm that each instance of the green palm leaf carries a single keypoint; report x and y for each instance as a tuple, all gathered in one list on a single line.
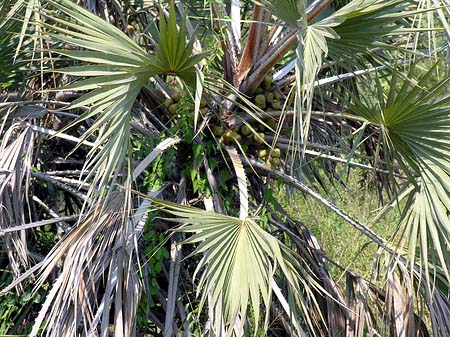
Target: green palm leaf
[(350, 32), (239, 262), (10, 10), (290, 11), (415, 126), (364, 24), (172, 53), (344, 37), (120, 68)]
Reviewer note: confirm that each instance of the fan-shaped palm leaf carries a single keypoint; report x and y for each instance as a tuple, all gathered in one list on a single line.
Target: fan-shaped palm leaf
[(16, 151), (364, 24), (73, 294), (414, 125), (9, 11), (240, 260), (290, 11), (120, 69), (340, 38)]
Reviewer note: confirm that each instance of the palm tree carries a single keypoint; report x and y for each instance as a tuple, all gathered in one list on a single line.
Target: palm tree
[(121, 121)]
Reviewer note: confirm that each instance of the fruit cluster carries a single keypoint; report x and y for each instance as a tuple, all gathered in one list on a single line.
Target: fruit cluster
[(254, 135), (270, 157), (249, 135), (264, 98), (254, 138)]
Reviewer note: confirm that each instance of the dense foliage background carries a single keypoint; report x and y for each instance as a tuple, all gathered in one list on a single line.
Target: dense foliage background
[(222, 168)]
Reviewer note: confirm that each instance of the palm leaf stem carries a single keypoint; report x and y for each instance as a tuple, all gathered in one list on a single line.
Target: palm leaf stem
[(346, 76), (160, 125), (286, 307), (174, 272), (348, 162), (272, 56), (58, 134), (314, 9), (287, 68), (275, 52), (248, 57), (67, 181), (291, 181), (235, 14), (39, 224), (238, 121), (228, 42), (217, 201)]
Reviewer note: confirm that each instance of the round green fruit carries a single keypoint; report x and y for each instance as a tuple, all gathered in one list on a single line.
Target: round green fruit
[(276, 105), (275, 153), (275, 162), (269, 96), (277, 96), (262, 154), (259, 138), (227, 137), (260, 101), (267, 82), (245, 130)]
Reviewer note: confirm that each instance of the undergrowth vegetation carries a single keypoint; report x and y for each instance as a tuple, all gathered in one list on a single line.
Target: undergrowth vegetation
[(348, 249)]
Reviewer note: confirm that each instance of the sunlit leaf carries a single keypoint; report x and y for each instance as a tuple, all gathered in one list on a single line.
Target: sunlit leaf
[(239, 261), (120, 68)]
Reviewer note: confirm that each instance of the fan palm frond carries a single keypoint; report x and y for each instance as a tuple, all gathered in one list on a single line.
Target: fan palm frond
[(239, 262), (120, 68), (16, 151), (290, 11), (73, 294), (413, 123), (9, 12), (364, 24)]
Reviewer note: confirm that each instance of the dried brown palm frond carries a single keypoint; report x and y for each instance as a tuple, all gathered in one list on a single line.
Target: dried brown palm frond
[(97, 269), (332, 304), (95, 264), (409, 295), (360, 296), (16, 155)]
